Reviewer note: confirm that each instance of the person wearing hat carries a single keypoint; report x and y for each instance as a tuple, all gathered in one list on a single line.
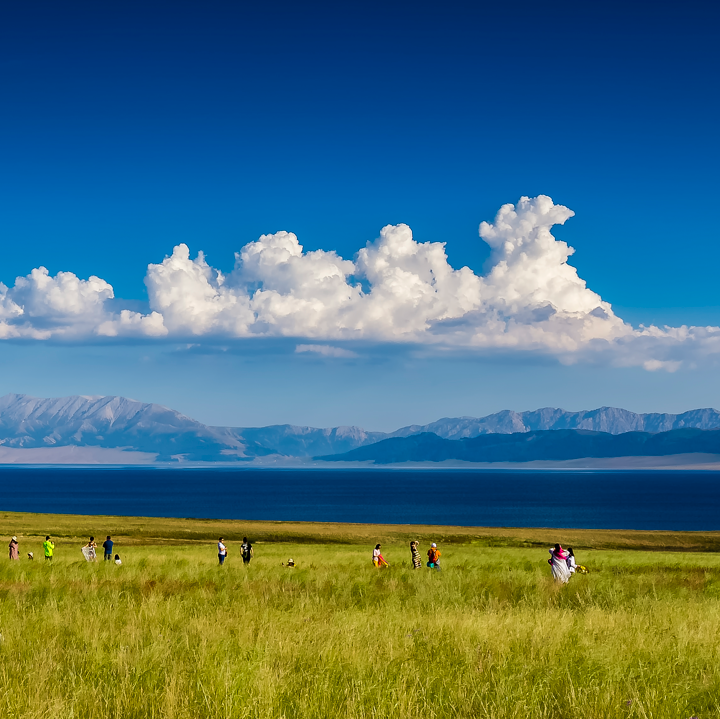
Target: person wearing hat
[(434, 557), (290, 564), (14, 548)]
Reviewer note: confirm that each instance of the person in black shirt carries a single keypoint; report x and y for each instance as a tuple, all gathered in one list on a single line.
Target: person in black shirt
[(107, 546), (246, 550)]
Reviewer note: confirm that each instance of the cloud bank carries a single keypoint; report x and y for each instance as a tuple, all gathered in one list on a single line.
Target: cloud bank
[(394, 290)]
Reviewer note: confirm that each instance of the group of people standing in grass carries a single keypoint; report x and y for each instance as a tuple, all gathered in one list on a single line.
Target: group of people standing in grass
[(14, 549), (246, 551), (89, 550), (562, 561), (433, 556)]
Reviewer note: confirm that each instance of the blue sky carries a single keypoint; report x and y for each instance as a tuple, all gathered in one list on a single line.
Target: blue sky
[(128, 131)]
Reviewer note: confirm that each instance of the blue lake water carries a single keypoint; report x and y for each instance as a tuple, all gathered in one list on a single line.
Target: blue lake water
[(672, 500)]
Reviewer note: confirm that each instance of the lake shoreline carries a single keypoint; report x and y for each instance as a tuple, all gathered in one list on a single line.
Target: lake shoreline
[(102, 457)]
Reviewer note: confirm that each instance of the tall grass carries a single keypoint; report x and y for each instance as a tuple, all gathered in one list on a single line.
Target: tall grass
[(170, 634)]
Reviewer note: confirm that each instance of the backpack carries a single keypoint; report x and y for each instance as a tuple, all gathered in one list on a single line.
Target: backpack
[(245, 549)]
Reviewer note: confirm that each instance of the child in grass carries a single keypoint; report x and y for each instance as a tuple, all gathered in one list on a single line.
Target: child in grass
[(118, 561), (573, 566), (571, 563)]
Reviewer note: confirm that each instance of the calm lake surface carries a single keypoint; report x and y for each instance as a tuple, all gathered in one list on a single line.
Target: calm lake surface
[(590, 499)]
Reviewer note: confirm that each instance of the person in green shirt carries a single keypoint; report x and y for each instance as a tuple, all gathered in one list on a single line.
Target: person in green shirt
[(48, 546)]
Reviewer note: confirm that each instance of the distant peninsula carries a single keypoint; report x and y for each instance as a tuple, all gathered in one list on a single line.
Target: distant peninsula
[(558, 445)]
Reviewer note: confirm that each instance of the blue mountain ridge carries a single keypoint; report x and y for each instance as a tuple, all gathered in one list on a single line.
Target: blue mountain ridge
[(558, 445), (121, 423)]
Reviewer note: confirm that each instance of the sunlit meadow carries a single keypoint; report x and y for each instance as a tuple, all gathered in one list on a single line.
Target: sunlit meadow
[(171, 634)]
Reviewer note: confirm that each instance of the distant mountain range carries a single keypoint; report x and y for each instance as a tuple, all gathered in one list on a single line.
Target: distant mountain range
[(559, 445), (605, 419), (309, 441), (163, 434), (293, 441), (116, 422)]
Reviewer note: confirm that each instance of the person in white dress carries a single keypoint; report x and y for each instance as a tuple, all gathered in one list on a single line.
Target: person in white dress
[(89, 551), (558, 564)]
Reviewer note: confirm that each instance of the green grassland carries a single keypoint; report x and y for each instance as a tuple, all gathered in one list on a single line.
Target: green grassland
[(171, 634)]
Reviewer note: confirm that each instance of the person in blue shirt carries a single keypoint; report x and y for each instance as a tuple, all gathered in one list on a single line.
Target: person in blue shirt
[(107, 546)]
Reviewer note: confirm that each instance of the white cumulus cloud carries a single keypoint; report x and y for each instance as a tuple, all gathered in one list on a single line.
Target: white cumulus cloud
[(193, 298), (40, 306), (395, 289)]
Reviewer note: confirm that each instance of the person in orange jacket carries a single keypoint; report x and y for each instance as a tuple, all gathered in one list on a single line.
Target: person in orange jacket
[(433, 557)]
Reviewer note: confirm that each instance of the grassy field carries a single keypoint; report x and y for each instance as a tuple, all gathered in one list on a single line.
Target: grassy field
[(171, 634)]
